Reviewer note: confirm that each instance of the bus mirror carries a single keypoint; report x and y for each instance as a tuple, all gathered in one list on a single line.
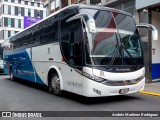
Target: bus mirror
[(88, 19), (152, 28)]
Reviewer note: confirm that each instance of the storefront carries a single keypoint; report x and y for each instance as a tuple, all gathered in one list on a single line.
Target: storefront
[(150, 13)]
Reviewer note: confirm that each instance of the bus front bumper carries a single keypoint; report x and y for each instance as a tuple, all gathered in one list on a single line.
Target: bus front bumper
[(95, 89)]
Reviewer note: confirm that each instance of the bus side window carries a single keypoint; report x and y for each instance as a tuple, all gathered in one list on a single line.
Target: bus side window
[(71, 38), (51, 30), (76, 38)]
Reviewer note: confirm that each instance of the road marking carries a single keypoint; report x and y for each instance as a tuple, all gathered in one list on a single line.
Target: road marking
[(150, 93)]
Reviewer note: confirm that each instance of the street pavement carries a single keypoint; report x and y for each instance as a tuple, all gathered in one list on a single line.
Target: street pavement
[(25, 96)]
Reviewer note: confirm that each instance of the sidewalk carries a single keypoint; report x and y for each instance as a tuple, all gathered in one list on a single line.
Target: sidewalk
[(152, 88)]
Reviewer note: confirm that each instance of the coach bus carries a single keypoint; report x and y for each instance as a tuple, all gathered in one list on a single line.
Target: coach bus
[(88, 50)]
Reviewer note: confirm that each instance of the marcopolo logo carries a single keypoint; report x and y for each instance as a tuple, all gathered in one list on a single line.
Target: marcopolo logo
[(123, 70)]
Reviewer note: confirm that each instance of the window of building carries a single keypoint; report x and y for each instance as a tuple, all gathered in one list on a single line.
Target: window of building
[(5, 22), (19, 1), (38, 4), (9, 22), (128, 6), (9, 33), (0, 10), (22, 11), (38, 13), (6, 0), (2, 34), (35, 13), (32, 3), (29, 12), (16, 32), (26, 2), (0, 22), (93, 1), (12, 22), (41, 13), (19, 23), (16, 10), (12, 10), (9, 9), (19, 10), (12, 1)]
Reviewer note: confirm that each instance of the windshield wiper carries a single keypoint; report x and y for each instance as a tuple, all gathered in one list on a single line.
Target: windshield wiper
[(131, 58), (115, 53), (114, 57)]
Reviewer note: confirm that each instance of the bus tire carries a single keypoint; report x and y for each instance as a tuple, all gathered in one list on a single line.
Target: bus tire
[(11, 74), (54, 84)]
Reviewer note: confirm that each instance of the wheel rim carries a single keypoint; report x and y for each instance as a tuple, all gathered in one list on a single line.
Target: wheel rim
[(55, 83), (11, 75)]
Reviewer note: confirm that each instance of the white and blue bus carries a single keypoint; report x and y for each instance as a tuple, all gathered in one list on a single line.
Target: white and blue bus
[(88, 50)]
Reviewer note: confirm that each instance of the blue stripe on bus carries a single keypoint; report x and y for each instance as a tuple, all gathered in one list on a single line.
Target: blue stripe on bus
[(155, 71), (23, 68)]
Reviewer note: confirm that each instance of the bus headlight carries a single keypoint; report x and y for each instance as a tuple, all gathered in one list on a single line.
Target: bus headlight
[(98, 79), (93, 77), (114, 83), (139, 78)]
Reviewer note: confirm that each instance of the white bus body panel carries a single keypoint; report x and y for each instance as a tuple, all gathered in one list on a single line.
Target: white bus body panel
[(90, 85), (70, 79), (74, 81)]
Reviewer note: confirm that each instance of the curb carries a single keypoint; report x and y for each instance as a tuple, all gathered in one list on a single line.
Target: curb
[(150, 93), (156, 81)]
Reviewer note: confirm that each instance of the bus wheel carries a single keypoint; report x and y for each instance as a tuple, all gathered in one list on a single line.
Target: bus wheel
[(11, 75), (54, 84)]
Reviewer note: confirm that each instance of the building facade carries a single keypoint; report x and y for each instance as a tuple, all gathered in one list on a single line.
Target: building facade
[(13, 14), (54, 5), (150, 13)]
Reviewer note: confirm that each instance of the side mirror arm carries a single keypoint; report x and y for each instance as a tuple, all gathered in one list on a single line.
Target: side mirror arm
[(150, 27), (87, 18)]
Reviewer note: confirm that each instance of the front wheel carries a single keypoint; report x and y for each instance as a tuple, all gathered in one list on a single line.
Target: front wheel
[(54, 84), (11, 75)]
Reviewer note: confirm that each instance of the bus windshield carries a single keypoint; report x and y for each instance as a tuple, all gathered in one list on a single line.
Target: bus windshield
[(116, 41)]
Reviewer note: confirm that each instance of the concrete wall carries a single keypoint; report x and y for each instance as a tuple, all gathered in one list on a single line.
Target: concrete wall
[(145, 3)]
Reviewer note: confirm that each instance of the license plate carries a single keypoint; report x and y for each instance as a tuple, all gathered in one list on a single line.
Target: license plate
[(123, 91)]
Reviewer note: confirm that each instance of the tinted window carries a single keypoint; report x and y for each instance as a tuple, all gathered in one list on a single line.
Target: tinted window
[(128, 34), (12, 22), (22, 11), (5, 21), (41, 13), (9, 9), (32, 3), (71, 38), (16, 10), (26, 2), (19, 1), (51, 30)]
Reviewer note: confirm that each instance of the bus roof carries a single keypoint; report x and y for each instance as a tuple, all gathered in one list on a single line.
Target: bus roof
[(74, 6)]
